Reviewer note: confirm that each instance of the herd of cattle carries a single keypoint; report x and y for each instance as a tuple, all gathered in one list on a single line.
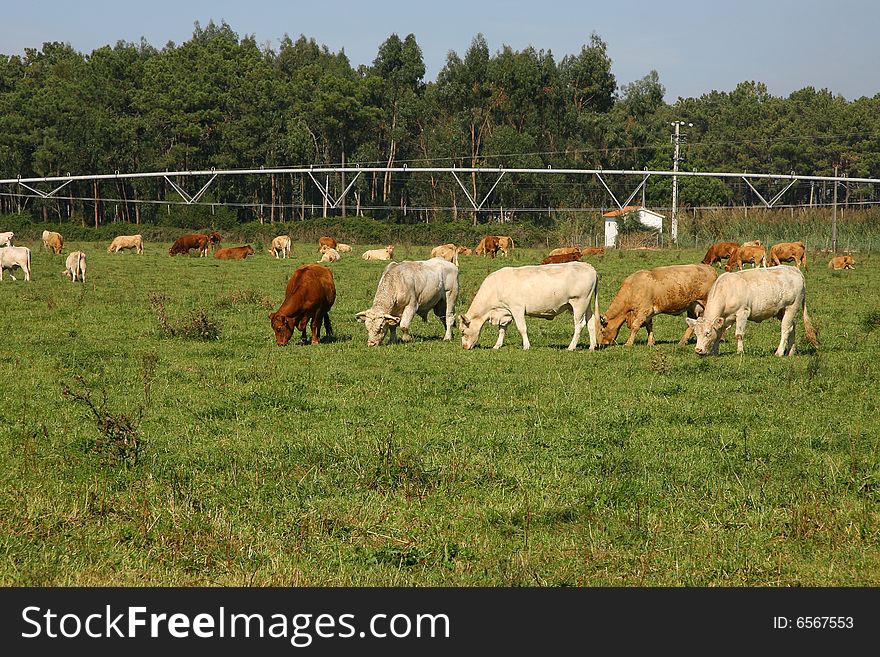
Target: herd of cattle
[(561, 283)]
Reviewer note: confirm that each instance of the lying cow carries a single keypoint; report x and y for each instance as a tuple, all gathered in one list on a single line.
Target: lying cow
[(379, 254), (185, 243), (464, 250), (329, 255), (407, 289), (565, 249), (488, 245), (75, 267), (448, 252), (309, 296), (561, 257), (842, 262), (754, 295), (6, 238), (281, 246), (756, 255), (720, 251), (514, 293), (134, 242), (668, 290), (15, 256), (234, 252), (789, 252), (53, 241), (343, 248)]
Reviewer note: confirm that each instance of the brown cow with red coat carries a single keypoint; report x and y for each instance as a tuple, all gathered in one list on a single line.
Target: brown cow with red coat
[(234, 252), (309, 295), (185, 243), (720, 251)]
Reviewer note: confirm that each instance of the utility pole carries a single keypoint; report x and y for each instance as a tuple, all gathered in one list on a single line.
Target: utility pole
[(677, 139), (834, 216)]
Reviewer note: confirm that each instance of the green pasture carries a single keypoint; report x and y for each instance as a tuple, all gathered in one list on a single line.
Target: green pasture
[(152, 433)]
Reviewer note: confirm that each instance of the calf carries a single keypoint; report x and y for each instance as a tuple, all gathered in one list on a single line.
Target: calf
[(234, 252), (379, 254), (754, 295), (720, 251), (669, 290), (15, 256), (134, 242), (789, 252), (842, 262), (514, 293), (75, 267), (281, 246), (309, 296)]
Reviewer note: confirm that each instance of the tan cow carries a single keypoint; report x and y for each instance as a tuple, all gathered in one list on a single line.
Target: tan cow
[(757, 255), (505, 244), (448, 252), (464, 250), (789, 252), (75, 267), (842, 262), (720, 251), (379, 254), (281, 247), (343, 248), (120, 242), (752, 243), (670, 290), (329, 255), (53, 241), (565, 249)]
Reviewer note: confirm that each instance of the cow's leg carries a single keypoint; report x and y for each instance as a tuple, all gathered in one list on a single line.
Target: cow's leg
[(649, 324), (501, 330), (519, 317), (316, 327), (579, 321), (392, 334), (406, 319), (787, 333), (742, 318), (441, 311), (634, 325)]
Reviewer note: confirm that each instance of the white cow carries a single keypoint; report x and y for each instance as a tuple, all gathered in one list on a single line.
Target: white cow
[(329, 255), (407, 289), (379, 254), (281, 246), (75, 267), (15, 256), (753, 295), (6, 238), (513, 293)]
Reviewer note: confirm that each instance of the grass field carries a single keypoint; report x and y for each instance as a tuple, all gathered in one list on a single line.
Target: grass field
[(231, 461)]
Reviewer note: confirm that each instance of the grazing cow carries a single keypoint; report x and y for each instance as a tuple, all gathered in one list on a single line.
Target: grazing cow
[(309, 296), (754, 295), (407, 289), (281, 247), (561, 257), (327, 241), (789, 252), (329, 255), (464, 250), (75, 267), (15, 256), (842, 262), (720, 251), (184, 243), (489, 244), (669, 290), (505, 244), (234, 252), (379, 254), (447, 252), (121, 242), (6, 238), (514, 293), (343, 248), (757, 255), (53, 241)]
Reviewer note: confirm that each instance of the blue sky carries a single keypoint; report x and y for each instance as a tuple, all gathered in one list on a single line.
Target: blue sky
[(694, 46)]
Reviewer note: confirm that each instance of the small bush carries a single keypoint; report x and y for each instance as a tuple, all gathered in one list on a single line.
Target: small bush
[(870, 320), (197, 325)]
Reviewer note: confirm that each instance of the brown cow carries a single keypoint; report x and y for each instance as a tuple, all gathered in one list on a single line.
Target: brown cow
[(505, 244), (489, 244), (720, 251), (329, 242), (842, 262), (185, 243), (789, 252), (214, 239), (53, 241), (234, 252), (562, 257), (309, 295), (669, 290), (593, 250), (757, 255)]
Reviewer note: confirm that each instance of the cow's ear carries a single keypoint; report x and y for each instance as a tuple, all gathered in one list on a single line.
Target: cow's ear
[(718, 323), (361, 316), (464, 320), (603, 320), (392, 320), (690, 321)]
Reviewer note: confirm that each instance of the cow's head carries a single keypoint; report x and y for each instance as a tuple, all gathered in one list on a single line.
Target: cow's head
[(607, 331), (283, 327), (470, 331), (377, 324), (249, 251), (708, 334)]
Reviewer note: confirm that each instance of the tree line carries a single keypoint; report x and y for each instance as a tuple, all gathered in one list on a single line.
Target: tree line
[(225, 102)]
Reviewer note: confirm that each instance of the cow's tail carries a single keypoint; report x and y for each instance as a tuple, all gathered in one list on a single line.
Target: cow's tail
[(596, 320), (27, 274), (812, 337)]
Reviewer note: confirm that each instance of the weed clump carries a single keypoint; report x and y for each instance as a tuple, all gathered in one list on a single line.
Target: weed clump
[(197, 325), (870, 320)]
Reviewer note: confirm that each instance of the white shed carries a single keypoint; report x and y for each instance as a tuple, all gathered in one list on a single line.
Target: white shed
[(647, 217)]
